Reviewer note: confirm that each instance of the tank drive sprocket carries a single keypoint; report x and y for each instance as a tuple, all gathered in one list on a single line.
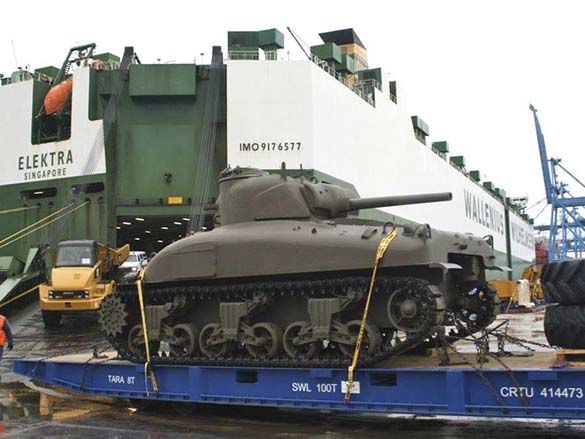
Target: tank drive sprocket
[(112, 315)]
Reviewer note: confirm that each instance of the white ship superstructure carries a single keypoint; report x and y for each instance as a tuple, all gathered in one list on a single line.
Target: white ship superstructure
[(305, 114)]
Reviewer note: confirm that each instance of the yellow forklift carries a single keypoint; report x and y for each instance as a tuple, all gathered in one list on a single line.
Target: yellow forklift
[(84, 272), (508, 289)]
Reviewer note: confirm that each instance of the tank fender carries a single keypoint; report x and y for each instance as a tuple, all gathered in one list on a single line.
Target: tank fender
[(183, 260), (445, 265), (499, 268)]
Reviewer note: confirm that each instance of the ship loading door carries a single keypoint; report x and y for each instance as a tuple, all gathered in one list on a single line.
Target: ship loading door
[(152, 233)]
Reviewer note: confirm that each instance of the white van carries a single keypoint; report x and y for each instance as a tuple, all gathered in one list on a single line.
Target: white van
[(135, 262)]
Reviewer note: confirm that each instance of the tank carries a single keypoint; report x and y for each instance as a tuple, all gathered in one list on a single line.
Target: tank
[(283, 277)]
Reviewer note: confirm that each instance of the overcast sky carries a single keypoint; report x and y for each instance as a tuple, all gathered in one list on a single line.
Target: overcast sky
[(470, 68)]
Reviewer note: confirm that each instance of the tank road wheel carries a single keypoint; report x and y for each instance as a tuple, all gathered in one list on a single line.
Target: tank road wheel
[(371, 342), (51, 319), (210, 341), (293, 338), (415, 307), (269, 340), (185, 340), (136, 342)]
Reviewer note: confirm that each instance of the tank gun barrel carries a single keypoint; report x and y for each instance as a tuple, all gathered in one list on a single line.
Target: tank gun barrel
[(400, 200)]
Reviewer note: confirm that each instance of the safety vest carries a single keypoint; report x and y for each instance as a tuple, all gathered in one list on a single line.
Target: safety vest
[(2, 333)]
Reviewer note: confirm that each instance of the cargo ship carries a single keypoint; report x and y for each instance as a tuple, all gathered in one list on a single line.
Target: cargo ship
[(111, 149)]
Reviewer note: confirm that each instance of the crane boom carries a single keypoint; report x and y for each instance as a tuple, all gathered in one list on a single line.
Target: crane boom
[(546, 174)]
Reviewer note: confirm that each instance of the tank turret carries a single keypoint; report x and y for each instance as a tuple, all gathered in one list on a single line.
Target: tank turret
[(283, 279), (248, 194)]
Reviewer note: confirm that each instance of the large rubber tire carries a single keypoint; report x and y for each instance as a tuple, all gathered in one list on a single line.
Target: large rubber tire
[(51, 319), (564, 282), (564, 326)]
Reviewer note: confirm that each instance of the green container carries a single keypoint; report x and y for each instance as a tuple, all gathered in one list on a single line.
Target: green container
[(347, 64), (375, 74), (458, 160), (271, 39), (420, 125), (243, 41), (442, 146), (329, 52), (162, 80), (107, 57), (475, 176), (488, 185), (50, 71)]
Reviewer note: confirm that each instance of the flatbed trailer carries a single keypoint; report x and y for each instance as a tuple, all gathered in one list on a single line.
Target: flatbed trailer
[(523, 388)]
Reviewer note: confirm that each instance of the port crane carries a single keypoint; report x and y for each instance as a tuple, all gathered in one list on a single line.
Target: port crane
[(567, 222)]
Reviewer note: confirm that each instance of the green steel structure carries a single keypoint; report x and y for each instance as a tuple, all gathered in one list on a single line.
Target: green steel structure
[(155, 118)]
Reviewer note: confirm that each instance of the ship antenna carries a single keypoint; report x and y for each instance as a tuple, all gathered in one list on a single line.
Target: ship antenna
[(14, 54), (294, 35)]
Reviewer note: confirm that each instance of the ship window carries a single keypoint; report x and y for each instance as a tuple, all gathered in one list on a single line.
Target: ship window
[(88, 188), (393, 93), (34, 194)]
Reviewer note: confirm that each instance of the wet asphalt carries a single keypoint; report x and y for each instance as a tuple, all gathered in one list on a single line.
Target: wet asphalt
[(28, 413)]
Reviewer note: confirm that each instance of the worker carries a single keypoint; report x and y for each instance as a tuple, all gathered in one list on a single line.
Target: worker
[(5, 335)]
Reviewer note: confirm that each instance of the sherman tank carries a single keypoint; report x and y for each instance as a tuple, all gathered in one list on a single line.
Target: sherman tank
[(283, 277)]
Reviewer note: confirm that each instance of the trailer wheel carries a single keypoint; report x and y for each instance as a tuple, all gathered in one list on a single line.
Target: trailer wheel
[(564, 326), (51, 319)]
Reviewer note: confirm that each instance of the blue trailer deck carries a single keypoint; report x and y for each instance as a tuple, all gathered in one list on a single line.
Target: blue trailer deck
[(530, 388)]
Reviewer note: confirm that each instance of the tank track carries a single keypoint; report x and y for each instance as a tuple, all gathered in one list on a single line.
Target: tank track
[(434, 309)]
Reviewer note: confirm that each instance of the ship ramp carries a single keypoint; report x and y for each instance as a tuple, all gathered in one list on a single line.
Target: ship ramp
[(18, 280)]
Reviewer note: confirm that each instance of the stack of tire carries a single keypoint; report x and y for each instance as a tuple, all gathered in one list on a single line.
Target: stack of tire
[(563, 283)]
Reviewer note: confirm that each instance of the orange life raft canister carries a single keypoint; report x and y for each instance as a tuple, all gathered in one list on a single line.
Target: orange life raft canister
[(57, 96)]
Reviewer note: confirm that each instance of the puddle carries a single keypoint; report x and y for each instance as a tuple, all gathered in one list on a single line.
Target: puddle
[(21, 406)]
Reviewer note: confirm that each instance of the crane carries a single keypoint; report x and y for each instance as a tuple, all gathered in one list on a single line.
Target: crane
[(567, 222)]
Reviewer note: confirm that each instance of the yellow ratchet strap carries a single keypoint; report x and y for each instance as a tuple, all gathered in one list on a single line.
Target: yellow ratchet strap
[(148, 372), (382, 247)]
